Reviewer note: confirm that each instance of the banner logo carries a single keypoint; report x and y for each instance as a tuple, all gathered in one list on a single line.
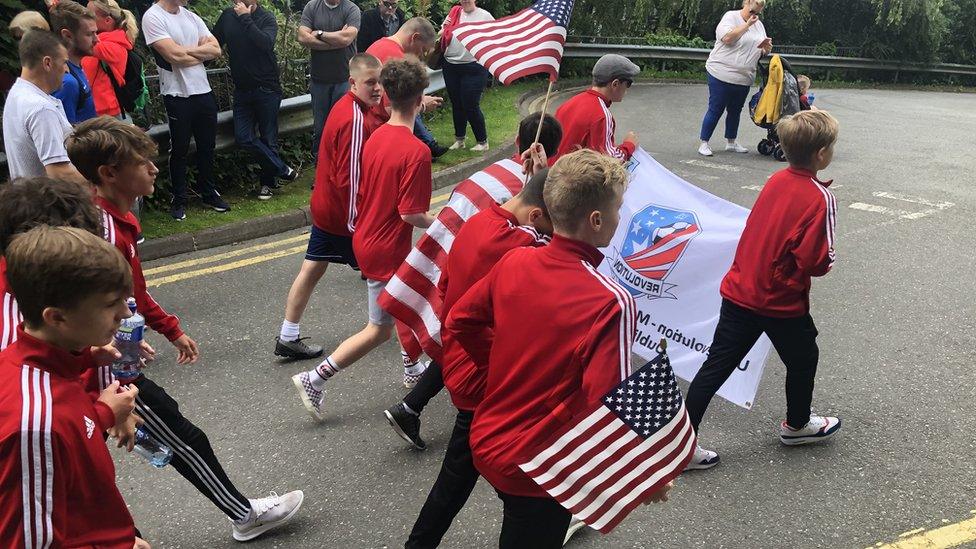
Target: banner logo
[(656, 239)]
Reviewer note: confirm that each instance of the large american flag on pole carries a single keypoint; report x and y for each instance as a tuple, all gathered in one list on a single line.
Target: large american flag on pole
[(528, 42), (411, 296), (607, 460)]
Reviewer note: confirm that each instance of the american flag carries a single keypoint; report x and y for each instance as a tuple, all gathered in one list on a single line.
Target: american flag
[(629, 444), (411, 296), (657, 239), (528, 42)]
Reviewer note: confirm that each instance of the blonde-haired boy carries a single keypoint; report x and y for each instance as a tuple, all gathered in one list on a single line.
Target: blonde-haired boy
[(788, 239), (25, 21)]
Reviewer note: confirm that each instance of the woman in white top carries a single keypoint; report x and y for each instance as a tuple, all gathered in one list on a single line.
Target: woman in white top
[(740, 41), (464, 78)]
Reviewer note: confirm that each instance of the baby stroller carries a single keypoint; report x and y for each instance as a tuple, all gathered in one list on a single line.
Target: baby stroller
[(779, 96)]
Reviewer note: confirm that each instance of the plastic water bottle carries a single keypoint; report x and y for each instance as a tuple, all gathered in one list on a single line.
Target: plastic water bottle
[(155, 452), (128, 340), (810, 98)]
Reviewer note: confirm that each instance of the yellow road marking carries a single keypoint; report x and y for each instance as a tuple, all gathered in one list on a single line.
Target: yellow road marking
[(155, 282), (226, 255), (952, 535)]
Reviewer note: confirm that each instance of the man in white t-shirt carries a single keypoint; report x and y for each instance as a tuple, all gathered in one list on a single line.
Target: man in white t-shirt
[(34, 123), (181, 43)]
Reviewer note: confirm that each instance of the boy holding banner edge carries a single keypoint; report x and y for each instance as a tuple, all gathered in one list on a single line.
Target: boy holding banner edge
[(788, 238)]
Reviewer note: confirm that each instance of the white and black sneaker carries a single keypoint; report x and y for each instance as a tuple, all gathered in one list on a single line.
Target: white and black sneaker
[(413, 372), (311, 397), (267, 514), (265, 193), (703, 459), (817, 429), (406, 425)]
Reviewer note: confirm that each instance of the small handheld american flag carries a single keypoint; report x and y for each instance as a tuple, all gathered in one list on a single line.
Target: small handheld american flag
[(528, 42), (609, 459)]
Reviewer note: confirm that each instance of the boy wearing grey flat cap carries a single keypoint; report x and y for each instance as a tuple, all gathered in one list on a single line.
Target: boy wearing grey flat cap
[(586, 118)]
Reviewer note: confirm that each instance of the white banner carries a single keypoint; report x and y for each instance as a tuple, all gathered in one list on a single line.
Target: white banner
[(674, 245)]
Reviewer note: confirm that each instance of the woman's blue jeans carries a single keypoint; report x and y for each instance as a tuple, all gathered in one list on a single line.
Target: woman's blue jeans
[(727, 98)]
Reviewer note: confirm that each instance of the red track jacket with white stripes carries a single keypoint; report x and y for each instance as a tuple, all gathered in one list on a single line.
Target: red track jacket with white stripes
[(562, 338), (337, 176), (122, 231), (57, 479), (483, 240), (789, 238), (587, 123)]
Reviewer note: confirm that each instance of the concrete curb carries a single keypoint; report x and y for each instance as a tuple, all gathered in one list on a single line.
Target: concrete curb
[(248, 229)]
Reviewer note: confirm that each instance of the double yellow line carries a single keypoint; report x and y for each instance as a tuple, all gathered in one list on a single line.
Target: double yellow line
[(950, 535), (180, 268)]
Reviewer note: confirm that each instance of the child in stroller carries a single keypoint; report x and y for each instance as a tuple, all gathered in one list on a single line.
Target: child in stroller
[(778, 96)]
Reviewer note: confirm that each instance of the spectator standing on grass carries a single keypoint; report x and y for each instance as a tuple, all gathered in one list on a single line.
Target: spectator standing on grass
[(740, 41), (75, 26), (249, 31), (181, 43), (329, 31), (382, 21), (464, 77), (117, 33), (34, 123)]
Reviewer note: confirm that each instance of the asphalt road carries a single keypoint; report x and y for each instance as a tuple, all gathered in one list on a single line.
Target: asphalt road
[(897, 333)]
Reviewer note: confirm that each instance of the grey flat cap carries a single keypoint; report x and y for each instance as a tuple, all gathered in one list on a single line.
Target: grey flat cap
[(613, 66)]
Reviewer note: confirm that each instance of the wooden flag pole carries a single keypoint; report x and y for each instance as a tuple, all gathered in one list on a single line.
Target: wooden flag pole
[(542, 116)]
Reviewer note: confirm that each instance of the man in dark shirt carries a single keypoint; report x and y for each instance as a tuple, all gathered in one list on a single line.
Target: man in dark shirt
[(328, 28), (248, 31), (379, 22)]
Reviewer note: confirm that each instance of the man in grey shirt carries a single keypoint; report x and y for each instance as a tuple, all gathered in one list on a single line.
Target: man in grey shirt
[(34, 123), (329, 30)]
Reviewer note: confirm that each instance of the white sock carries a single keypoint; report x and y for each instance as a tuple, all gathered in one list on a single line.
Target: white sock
[(289, 331), (322, 372)]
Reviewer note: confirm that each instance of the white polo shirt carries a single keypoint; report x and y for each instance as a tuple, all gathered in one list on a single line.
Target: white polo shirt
[(34, 130)]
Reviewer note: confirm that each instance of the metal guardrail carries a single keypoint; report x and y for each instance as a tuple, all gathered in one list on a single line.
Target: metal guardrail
[(832, 62), (296, 112)]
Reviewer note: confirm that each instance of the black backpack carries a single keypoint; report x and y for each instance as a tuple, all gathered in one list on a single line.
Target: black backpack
[(132, 94)]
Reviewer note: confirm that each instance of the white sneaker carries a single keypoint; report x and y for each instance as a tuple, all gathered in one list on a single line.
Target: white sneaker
[(817, 429), (480, 147), (704, 149), (703, 459), (735, 147), (575, 525), (267, 514), (458, 144)]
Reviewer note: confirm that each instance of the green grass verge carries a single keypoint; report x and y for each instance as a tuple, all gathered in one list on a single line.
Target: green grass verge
[(501, 117)]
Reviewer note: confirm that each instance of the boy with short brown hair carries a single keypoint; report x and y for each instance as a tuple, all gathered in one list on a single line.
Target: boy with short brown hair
[(562, 361), (72, 289), (394, 197), (117, 158), (788, 238)]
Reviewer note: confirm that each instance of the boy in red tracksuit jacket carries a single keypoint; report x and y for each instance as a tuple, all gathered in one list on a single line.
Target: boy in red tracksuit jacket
[(337, 178), (788, 238), (57, 479), (552, 333), (115, 156), (586, 118), (481, 242)]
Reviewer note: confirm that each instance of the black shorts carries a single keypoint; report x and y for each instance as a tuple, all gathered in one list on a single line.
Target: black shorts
[(323, 246)]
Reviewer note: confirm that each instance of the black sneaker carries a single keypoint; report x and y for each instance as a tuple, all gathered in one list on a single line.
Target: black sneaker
[(264, 193), (217, 203), (436, 150), (296, 349), (406, 425), (291, 174), (178, 212)]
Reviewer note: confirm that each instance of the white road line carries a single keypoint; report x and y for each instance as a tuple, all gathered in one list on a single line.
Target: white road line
[(712, 165), (891, 211), (753, 187), (913, 200)]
